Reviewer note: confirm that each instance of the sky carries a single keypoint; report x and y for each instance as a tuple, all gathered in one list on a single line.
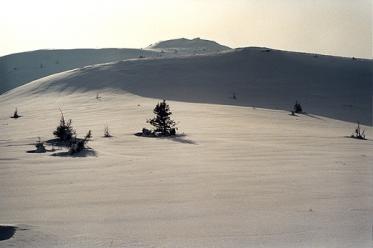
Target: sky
[(335, 27)]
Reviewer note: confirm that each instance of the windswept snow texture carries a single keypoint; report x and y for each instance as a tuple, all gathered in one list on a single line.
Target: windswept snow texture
[(335, 87), (241, 177), (18, 69)]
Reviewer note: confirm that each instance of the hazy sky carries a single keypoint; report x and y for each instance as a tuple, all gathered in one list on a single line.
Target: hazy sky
[(339, 27)]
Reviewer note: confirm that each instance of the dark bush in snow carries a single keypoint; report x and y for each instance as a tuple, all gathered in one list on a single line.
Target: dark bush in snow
[(64, 131), (172, 131), (297, 108), (147, 132), (15, 114), (77, 145), (89, 135), (98, 97), (40, 148), (162, 122), (107, 133), (358, 134)]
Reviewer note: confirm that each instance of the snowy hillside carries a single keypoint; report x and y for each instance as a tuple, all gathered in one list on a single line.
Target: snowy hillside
[(240, 177), (18, 69), (329, 86), (187, 46), (242, 173)]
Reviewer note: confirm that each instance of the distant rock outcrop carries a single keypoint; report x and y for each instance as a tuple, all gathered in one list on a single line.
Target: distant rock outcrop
[(193, 46)]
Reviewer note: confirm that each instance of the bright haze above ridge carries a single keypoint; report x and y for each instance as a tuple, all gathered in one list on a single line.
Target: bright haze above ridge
[(340, 28)]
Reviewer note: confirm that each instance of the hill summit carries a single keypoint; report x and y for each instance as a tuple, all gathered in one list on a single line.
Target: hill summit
[(198, 45)]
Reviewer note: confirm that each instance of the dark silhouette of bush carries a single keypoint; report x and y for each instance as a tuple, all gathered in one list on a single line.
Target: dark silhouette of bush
[(297, 108), (172, 131), (146, 132), (98, 97), (77, 145), (107, 133), (64, 131), (15, 114), (89, 135), (358, 134), (40, 148), (163, 124)]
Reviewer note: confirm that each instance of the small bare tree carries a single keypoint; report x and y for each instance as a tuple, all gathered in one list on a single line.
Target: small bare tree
[(98, 97), (297, 108), (106, 132), (15, 114), (358, 134), (78, 145)]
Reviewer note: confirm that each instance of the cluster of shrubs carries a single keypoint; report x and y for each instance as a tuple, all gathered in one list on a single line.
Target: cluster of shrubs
[(66, 135), (358, 134), (162, 123), (40, 148), (297, 108)]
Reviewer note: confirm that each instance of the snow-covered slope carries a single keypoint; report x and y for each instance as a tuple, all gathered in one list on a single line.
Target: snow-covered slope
[(187, 46), (241, 177), (335, 87), (21, 68), (18, 69)]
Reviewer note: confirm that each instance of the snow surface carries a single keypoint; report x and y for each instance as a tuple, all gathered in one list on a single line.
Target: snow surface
[(335, 87), (240, 177), (18, 69)]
